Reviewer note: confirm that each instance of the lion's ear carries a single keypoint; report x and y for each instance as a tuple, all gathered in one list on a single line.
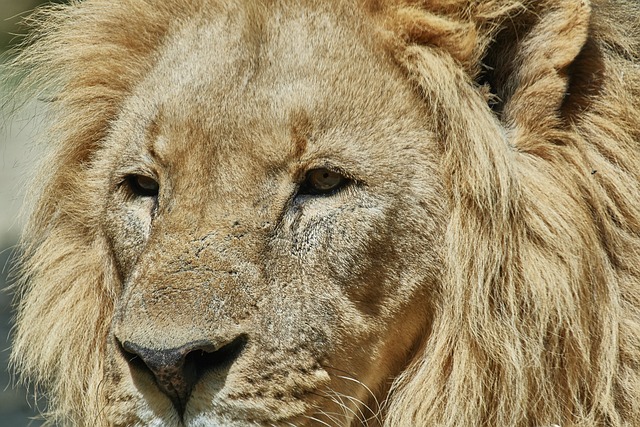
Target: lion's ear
[(536, 61), (521, 52)]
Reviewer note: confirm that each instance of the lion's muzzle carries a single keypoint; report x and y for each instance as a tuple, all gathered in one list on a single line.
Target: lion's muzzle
[(177, 370)]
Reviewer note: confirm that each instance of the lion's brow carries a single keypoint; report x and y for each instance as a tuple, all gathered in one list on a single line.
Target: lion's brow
[(301, 128)]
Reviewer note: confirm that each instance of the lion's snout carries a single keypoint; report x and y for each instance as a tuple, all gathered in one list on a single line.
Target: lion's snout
[(177, 370)]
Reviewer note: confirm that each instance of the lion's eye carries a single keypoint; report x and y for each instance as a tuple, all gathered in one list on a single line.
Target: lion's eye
[(143, 186), (322, 181)]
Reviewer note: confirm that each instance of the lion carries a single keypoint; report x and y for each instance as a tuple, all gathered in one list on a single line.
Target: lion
[(339, 213)]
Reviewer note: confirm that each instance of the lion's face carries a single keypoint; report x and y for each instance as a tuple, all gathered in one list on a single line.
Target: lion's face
[(268, 184), (339, 213)]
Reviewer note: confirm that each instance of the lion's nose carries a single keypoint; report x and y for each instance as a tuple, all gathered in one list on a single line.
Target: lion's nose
[(177, 370)]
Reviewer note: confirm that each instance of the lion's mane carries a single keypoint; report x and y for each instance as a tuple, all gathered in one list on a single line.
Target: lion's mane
[(543, 262)]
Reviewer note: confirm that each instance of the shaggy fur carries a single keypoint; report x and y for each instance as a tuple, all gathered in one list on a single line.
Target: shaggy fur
[(526, 310)]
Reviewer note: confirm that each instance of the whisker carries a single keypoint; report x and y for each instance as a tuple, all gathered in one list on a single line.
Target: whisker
[(351, 377), (327, 396), (359, 405), (344, 406), (375, 412), (97, 416), (333, 416), (376, 401), (320, 421)]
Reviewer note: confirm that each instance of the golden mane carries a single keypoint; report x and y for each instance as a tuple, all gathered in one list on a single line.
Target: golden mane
[(543, 262), (64, 266), (544, 237)]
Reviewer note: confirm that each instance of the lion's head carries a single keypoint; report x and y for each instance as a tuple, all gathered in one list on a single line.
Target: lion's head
[(339, 213)]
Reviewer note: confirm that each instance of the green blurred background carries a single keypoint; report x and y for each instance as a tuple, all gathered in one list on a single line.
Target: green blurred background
[(18, 155)]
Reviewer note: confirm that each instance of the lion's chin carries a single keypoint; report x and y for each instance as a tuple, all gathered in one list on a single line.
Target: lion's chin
[(159, 412), (215, 419)]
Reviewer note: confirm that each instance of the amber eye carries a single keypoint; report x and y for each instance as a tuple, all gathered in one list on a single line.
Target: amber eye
[(322, 181), (143, 186)]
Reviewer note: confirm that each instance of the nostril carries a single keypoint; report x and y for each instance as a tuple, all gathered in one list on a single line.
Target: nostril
[(133, 359), (201, 360), (177, 370)]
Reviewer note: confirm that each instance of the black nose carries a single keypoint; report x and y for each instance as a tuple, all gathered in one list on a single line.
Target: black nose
[(177, 370)]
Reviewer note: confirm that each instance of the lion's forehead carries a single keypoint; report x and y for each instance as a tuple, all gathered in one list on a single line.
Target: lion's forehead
[(232, 86)]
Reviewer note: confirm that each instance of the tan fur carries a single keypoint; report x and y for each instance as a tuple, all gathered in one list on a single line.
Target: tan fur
[(482, 270)]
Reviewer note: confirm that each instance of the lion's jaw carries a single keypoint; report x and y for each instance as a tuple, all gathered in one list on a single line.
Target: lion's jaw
[(319, 295)]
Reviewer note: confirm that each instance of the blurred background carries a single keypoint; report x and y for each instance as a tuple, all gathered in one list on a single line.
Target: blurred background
[(18, 155)]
